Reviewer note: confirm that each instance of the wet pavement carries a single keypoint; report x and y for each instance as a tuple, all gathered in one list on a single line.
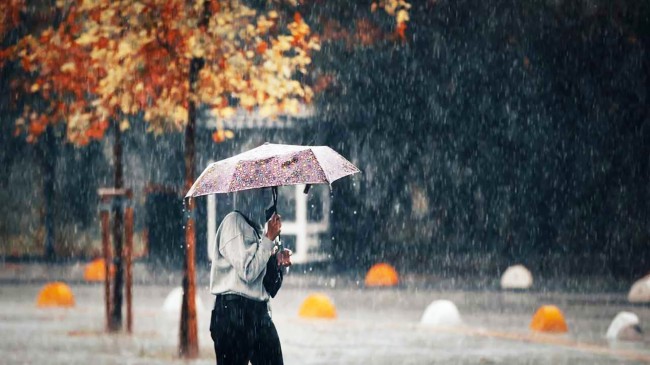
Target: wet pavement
[(378, 326)]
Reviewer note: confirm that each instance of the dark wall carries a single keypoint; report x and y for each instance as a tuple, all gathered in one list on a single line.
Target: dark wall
[(500, 132)]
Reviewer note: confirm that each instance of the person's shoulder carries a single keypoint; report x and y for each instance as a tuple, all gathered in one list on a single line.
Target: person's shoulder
[(236, 218), (232, 215)]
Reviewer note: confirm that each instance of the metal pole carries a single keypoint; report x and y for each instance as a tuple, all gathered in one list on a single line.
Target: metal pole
[(128, 254), (104, 218), (118, 232)]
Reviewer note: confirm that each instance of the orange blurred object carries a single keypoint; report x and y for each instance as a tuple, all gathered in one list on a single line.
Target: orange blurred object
[(96, 270), (317, 306), (55, 294), (382, 274), (549, 318)]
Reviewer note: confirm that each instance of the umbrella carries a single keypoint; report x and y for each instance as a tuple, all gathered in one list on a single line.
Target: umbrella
[(272, 165)]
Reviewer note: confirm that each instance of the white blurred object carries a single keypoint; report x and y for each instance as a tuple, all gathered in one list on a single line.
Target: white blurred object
[(174, 299), (516, 277), (305, 232), (640, 291), (625, 327), (441, 313), (212, 224)]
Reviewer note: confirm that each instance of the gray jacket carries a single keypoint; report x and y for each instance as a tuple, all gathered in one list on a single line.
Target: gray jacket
[(239, 259)]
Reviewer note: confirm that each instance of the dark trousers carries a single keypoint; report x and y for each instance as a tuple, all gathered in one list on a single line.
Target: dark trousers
[(242, 331)]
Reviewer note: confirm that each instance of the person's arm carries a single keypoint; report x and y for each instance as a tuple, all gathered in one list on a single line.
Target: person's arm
[(243, 251)]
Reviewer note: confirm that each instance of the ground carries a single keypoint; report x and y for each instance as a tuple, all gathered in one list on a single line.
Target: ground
[(378, 326)]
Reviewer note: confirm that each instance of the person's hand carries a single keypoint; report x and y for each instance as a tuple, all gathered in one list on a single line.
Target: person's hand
[(284, 257), (274, 227)]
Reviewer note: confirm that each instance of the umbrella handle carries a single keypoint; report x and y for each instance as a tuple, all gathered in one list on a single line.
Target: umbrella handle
[(273, 209), (274, 191)]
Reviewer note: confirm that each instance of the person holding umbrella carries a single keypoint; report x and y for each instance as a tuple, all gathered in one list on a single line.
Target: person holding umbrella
[(246, 271), (245, 268)]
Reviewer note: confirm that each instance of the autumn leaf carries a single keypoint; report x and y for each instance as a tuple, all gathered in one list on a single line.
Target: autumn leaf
[(401, 30), (262, 47), (124, 125), (113, 60), (37, 127), (221, 135)]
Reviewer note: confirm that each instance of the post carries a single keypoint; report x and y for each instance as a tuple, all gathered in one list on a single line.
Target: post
[(116, 200), (104, 218), (118, 231), (128, 254), (49, 163)]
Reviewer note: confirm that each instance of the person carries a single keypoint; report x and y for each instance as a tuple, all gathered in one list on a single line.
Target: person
[(244, 265)]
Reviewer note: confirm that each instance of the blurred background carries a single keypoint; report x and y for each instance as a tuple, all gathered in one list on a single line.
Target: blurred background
[(488, 133), (505, 155)]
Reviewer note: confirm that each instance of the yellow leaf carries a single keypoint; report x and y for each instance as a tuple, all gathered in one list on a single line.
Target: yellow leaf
[(68, 67), (124, 125), (180, 114), (35, 88), (86, 39), (226, 112), (402, 16), (125, 103)]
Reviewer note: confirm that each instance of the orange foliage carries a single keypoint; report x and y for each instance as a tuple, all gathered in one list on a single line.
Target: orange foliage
[(262, 47), (9, 15), (109, 60), (218, 137), (96, 131), (368, 33), (322, 83), (401, 31), (221, 135), (215, 7)]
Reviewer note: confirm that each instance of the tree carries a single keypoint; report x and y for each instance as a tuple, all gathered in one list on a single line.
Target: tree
[(162, 61), (46, 89), (170, 58)]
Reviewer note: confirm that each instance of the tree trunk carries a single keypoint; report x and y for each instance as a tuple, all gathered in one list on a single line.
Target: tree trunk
[(189, 342), (118, 229), (48, 160), (189, 346)]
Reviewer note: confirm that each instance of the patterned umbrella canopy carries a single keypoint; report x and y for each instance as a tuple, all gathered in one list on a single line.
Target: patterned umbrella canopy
[(272, 165)]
